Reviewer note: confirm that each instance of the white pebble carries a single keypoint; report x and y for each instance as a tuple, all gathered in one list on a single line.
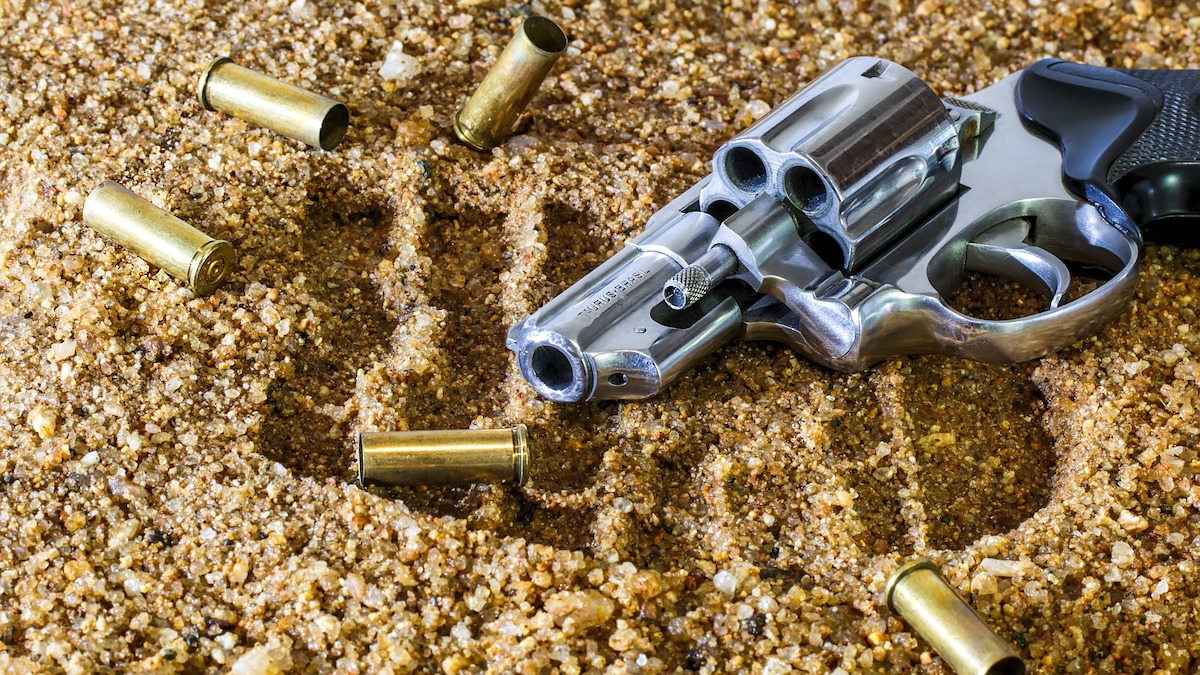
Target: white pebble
[(1132, 523), (1135, 367), (302, 10), (62, 350), (459, 21), (399, 66), (726, 582), (1004, 568), (777, 666), (757, 108), (90, 459), (355, 586), (330, 626), (1122, 553), (257, 661), (1161, 588), (44, 421), (133, 585), (984, 584), (39, 293)]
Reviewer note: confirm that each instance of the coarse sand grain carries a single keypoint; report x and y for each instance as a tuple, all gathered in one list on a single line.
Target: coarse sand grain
[(176, 473)]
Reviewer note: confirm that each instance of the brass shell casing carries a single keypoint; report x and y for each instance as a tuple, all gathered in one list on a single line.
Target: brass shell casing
[(919, 594), (440, 457), (284, 108), (488, 117), (159, 237)]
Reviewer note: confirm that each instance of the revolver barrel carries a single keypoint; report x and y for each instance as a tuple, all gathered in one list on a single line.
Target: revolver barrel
[(611, 335)]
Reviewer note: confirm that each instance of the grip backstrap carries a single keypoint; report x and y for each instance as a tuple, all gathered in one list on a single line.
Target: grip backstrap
[(1174, 135), (1130, 142)]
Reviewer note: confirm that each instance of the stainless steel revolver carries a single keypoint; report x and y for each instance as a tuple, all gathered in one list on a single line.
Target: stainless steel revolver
[(840, 222)]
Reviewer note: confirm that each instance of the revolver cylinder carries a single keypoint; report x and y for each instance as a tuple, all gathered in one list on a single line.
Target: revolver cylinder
[(863, 153)]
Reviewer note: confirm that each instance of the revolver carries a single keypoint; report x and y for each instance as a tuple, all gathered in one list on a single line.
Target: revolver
[(840, 223)]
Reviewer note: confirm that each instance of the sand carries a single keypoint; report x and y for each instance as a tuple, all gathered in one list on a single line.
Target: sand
[(176, 473)]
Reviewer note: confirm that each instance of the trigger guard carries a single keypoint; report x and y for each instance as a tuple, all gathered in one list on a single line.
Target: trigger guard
[(1030, 266)]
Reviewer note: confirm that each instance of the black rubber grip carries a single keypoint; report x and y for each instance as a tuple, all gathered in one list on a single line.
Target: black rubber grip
[(1130, 141)]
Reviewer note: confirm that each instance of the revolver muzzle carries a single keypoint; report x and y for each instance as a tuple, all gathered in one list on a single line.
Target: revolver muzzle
[(555, 365)]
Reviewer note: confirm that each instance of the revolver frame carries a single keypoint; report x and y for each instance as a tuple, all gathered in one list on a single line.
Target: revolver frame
[(838, 224)]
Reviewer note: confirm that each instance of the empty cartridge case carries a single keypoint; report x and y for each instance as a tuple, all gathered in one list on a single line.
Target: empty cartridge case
[(159, 237), (287, 109), (919, 594), (489, 115), (439, 457)]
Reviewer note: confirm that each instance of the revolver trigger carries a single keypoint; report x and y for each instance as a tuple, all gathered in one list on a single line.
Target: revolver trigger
[(1002, 252)]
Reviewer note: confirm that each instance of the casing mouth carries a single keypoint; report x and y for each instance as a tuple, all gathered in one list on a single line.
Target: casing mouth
[(334, 126), (545, 35)]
